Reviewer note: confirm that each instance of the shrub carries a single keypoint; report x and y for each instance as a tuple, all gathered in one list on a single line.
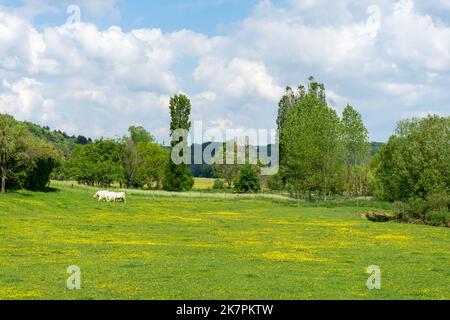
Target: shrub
[(247, 180), (414, 162), (413, 209), (433, 211), (438, 218), (439, 200), (275, 183), (219, 184)]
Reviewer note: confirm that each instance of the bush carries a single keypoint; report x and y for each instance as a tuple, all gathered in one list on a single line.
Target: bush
[(414, 209), (437, 201), (275, 183), (39, 176), (247, 180), (438, 218), (414, 162), (219, 184), (432, 211)]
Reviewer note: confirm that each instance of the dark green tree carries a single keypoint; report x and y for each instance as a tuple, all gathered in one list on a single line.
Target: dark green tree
[(97, 163), (82, 140), (357, 153), (415, 163), (25, 160), (223, 167), (152, 161), (129, 155), (178, 177), (312, 142), (356, 137), (248, 180), (139, 134)]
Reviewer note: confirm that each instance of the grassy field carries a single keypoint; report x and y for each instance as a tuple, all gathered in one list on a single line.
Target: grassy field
[(158, 247), (203, 183)]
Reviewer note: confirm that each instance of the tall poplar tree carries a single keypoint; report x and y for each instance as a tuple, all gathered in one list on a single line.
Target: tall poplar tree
[(178, 177), (357, 153), (356, 137), (312, 144)]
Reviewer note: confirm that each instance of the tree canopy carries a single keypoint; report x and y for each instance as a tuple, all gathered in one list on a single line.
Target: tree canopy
[(25, 161), (416, 160), (178, 177)]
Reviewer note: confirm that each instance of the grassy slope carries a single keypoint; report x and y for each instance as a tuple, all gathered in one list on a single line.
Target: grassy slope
[(186, 248)]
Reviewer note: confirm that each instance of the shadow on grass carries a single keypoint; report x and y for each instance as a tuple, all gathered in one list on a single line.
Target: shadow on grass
[(50, 190), (28, 195)]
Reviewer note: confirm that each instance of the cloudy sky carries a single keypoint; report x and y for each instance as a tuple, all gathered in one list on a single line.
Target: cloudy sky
[(120, 64)]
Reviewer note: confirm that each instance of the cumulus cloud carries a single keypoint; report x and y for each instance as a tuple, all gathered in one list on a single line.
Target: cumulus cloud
[(416, 40), (96, 81), (238, 77), (81, 78)]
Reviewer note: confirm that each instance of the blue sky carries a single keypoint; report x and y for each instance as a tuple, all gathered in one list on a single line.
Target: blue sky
[(120, 64), (207, 16)]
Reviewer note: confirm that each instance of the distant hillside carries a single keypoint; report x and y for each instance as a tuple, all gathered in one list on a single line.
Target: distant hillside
[(59, 139), (374, 147), (207, 171), (66, 143)]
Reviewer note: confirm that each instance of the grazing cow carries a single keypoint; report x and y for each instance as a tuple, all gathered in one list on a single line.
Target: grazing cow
[(121, 196), (100, 195), (114, 196), (110, 196), (104, 196)]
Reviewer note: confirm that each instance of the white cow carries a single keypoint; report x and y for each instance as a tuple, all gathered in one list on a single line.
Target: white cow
[(100, 195), (121, 196), (114, 196), (110, 196)]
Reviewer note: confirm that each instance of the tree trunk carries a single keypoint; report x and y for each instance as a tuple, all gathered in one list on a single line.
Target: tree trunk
[(3, 184)]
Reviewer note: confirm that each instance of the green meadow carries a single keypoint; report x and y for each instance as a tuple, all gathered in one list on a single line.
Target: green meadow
[(167, 247)]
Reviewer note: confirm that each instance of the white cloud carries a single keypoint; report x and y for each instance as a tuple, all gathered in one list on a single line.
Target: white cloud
[(98, 81), (238, 78), (416, 40), (22, 98)]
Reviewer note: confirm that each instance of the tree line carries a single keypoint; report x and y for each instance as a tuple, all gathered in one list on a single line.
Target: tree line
[(322, 155), (134, 161)]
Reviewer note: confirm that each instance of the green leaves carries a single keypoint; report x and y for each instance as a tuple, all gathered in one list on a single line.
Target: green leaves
[(25, 161), (180, 110), (311, 143), (139, 134), (318, 151), (96, 163), (416, 161), (178, 177), (356, 137), (248, 180), (152, 161)]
